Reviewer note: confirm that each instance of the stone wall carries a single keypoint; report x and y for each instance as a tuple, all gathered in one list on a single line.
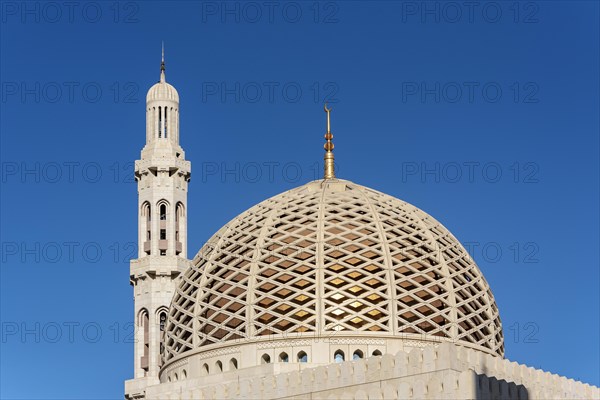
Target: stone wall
[(445, 371)]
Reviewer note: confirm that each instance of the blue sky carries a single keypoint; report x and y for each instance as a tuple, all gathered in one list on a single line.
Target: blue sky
[(486, 117)]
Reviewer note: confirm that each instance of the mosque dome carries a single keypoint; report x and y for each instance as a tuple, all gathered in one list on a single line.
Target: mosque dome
[(328, 290), (332, 259), (162, 91)]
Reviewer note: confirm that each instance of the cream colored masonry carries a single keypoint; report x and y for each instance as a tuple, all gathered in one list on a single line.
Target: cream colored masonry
[(327, 257), (446, 371), (162, 174)]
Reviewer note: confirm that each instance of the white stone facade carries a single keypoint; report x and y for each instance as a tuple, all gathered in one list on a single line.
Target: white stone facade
[(328, 291), (445, 371), (162, 175)]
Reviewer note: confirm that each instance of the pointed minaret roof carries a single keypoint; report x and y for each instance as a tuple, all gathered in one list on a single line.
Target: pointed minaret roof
[(162, 90), (162, 64)]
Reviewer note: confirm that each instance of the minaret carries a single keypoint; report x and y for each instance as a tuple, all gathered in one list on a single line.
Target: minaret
[(162, 175)]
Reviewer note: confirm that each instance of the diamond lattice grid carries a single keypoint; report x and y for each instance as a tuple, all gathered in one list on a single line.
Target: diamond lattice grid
[(329, 257), (285, 285), (354, 272)]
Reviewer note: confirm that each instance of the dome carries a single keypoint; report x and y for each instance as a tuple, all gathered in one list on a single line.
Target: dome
[(162, 91), (332, 258)]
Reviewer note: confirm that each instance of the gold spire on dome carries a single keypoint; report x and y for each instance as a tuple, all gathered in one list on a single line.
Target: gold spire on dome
[(329, 160), (162, 64)]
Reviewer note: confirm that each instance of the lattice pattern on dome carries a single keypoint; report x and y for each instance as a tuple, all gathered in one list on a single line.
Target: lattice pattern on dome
[(328, 257)]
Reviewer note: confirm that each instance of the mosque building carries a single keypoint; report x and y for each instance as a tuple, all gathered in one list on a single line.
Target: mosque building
[(331, 290)]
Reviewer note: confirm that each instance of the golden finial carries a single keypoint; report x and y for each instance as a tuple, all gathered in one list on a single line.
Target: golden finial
[(329, 162)]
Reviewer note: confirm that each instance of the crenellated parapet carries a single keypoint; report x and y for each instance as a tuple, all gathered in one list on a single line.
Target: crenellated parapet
[(445, 371)]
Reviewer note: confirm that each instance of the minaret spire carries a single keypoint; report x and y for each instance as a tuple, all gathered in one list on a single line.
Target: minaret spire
[(162, 64), (329, 159)]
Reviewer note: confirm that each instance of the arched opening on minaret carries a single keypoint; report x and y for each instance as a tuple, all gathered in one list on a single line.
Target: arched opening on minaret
[(163, 232), (179, 228), (162, 326), (173, 128), (144, 328), (154, 121), (162, 318), (146, 218), (159, 122), (176, 125), (166, 122)]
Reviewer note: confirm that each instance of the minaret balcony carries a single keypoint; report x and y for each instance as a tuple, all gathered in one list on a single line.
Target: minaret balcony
[(163, 244), (178, 247), (147, 246)]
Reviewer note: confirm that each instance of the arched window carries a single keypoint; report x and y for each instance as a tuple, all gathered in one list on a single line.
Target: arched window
[(219, 366), (146, 211), (163, 216), (338, 356), (162, 319), (147, 216), (159, 122), (265, 359), (180, 211), (183, 374), (205, 370), (166, 123), (377, 353), (142, 317), (302, 357), (233, 364), (175, 377), (179, 214), (358, 355), (283, 357), (144, 326), (153, 121)]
